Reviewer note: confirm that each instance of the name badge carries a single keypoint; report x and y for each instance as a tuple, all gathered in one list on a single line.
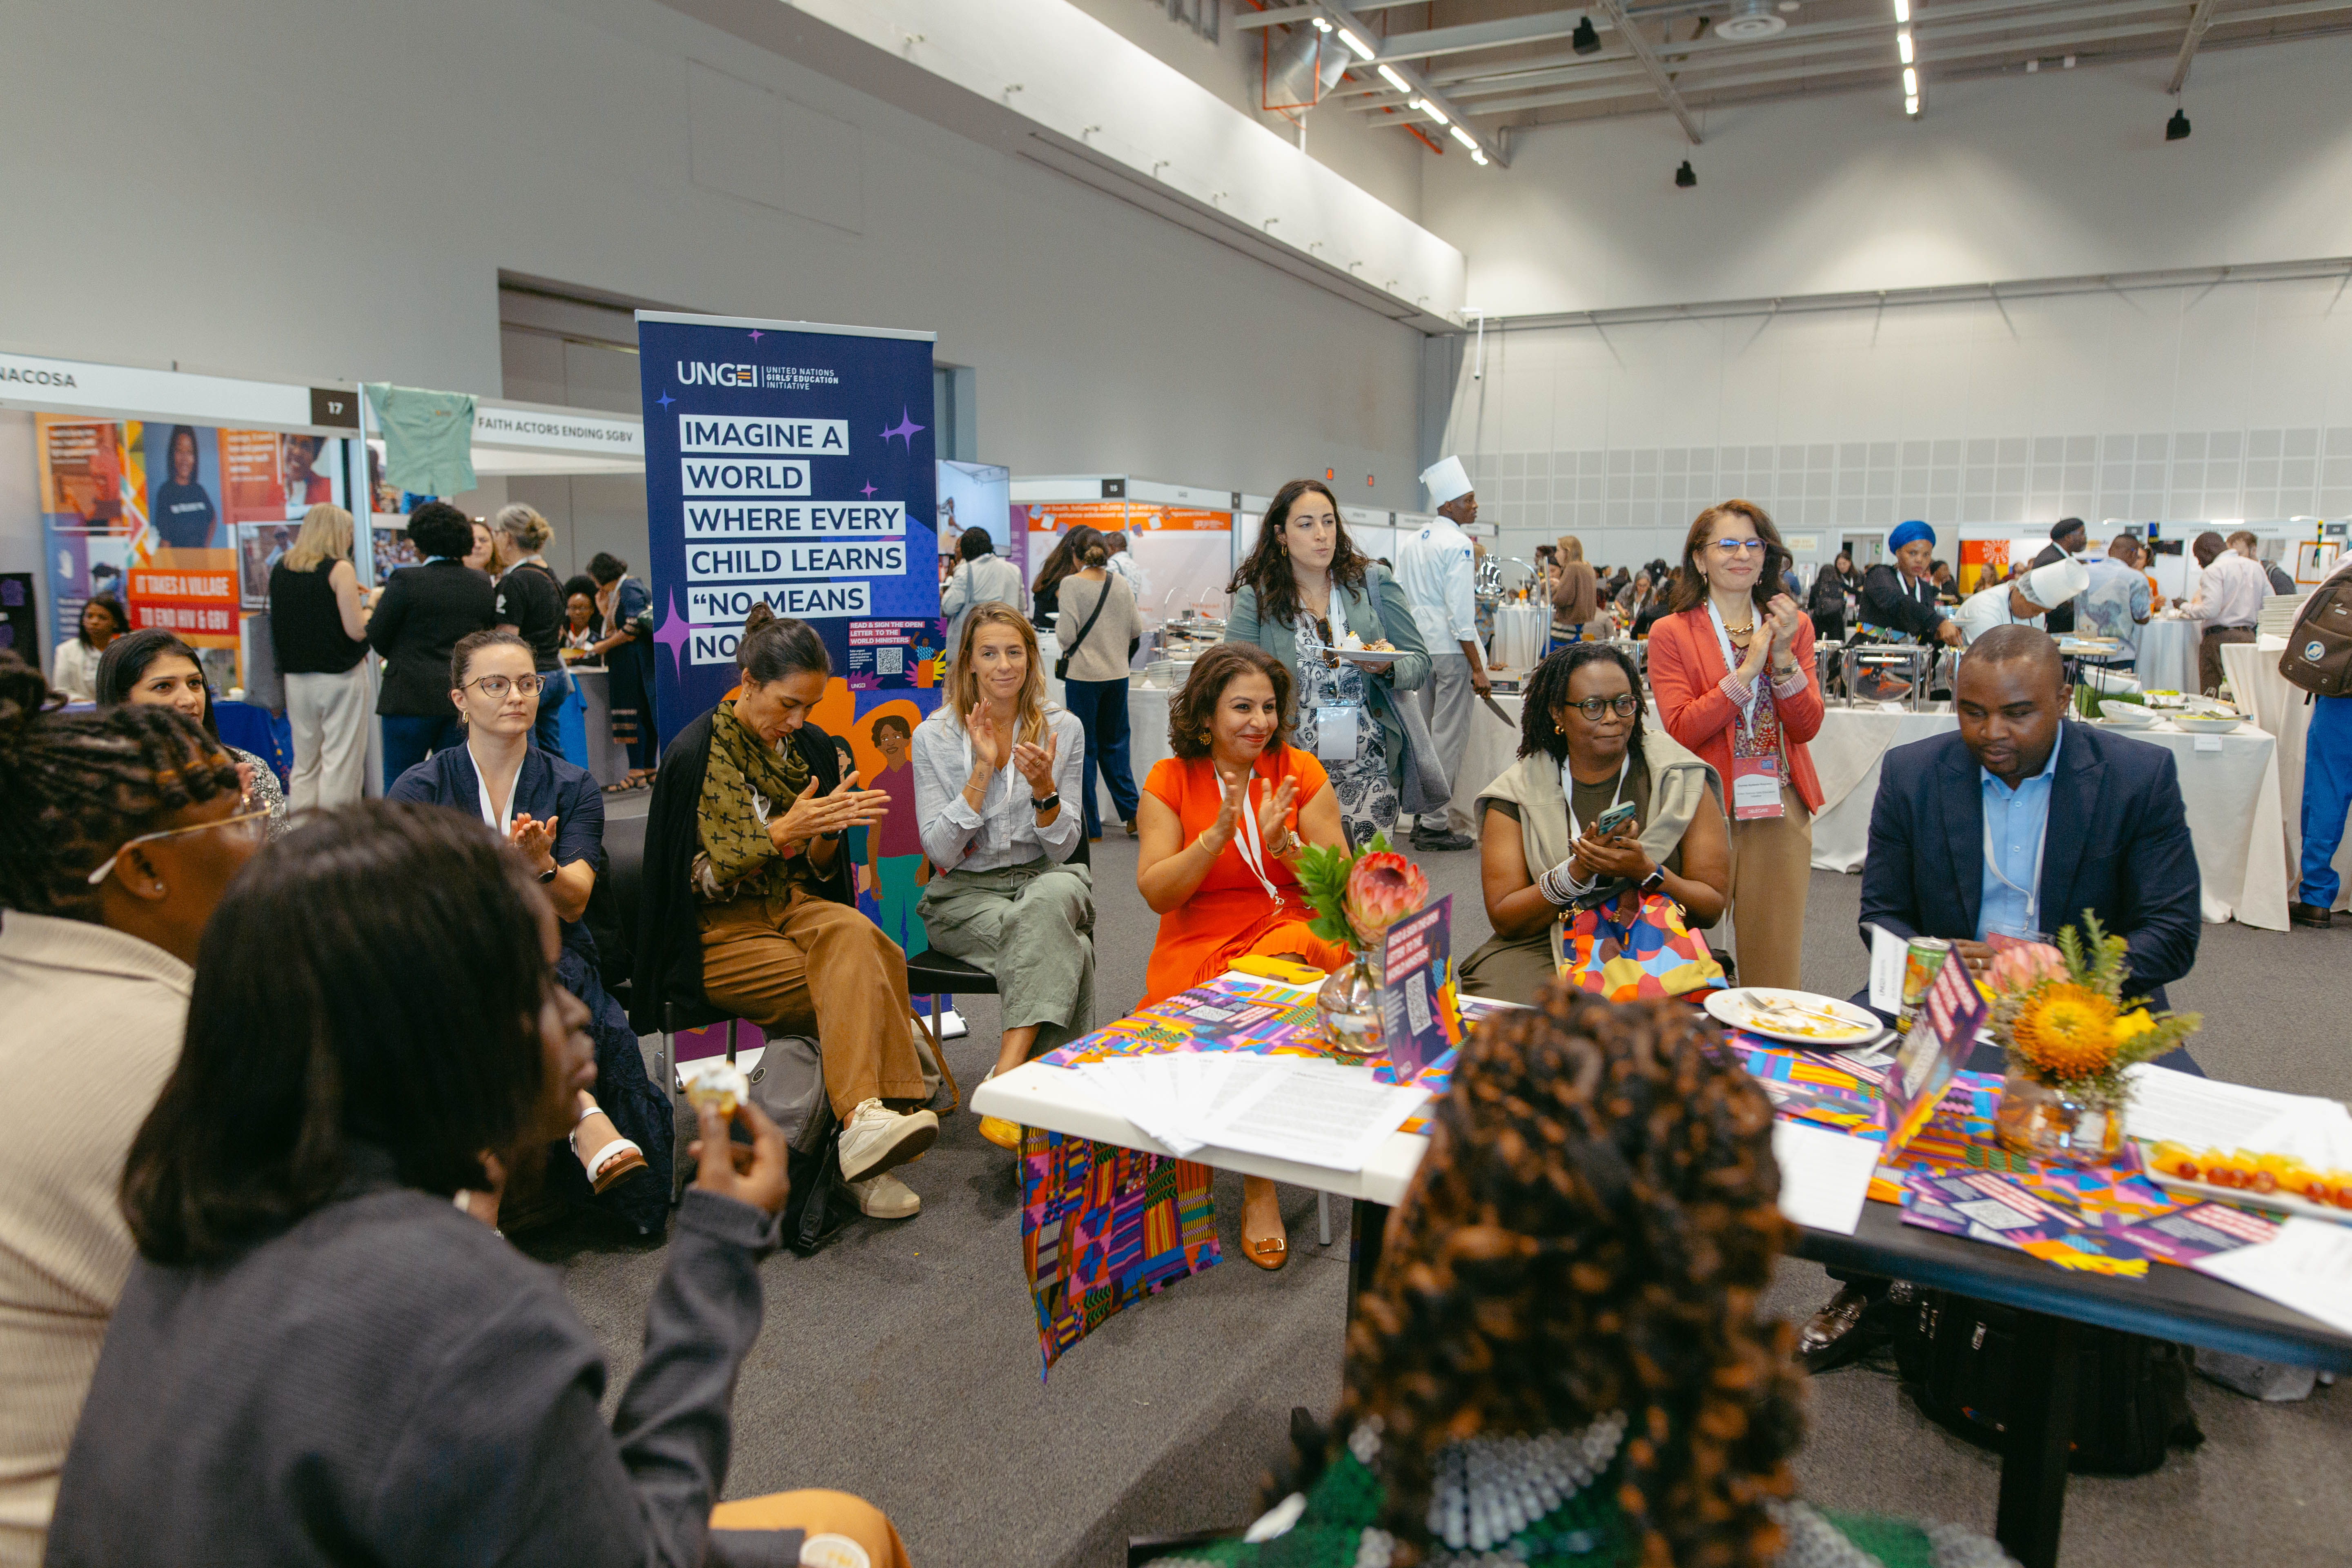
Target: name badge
[(1754, 788), (1334, 732)]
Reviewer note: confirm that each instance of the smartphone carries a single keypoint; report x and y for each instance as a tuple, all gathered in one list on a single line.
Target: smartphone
[(1615, 817)]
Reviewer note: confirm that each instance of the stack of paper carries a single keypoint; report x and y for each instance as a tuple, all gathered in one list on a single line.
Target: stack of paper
[(2307, 1266), (2177, 1107), (1286, 1108)]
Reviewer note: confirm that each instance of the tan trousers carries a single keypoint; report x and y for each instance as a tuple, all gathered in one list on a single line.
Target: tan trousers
[(2210, 673), (1771, 871), (805, 965), (818, 1513)]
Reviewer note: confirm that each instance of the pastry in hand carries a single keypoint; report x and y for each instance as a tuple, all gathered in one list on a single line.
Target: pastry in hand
[(717, 1082)]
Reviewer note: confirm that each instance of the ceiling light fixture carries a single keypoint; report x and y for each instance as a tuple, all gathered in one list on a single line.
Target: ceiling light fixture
[(1320, 24), (1910, 82), (1903, 12), (1464, 138), (1431, 110), (1478, 157), (1586, 39), (1903, 47), (1686, 177), (1363, 51), (2177, 128), (1911, 106), (1389, 75)]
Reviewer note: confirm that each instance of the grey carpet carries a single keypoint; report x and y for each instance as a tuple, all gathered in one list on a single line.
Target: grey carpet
[(901, 1363)]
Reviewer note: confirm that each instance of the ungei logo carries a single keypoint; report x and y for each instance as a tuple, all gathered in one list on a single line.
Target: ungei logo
[(703, 372)]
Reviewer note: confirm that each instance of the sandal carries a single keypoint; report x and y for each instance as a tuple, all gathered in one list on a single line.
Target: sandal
[(614, 1162), (995, 1130)]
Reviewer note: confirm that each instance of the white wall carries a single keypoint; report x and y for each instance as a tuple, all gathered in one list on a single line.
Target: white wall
[(2055, 174), (330, 192)]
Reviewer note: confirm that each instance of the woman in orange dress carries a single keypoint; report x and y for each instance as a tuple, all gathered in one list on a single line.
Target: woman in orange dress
[(1220, 823)]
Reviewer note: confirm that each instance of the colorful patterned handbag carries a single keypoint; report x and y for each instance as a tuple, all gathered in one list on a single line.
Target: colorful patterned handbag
[(1635, 949)]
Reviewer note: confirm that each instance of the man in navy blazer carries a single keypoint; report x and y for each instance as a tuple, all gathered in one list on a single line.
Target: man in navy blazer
[(2116, 839)]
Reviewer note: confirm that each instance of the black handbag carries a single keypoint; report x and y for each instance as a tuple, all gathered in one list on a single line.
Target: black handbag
[(1062, 665), (2131, 1392)]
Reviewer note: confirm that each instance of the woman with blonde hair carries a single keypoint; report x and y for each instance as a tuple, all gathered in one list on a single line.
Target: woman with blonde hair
[(530, 604), (992, 768), (319, 631), (1576, 596)]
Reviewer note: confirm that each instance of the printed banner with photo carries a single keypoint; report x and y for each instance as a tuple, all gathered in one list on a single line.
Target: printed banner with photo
[(785, 465)]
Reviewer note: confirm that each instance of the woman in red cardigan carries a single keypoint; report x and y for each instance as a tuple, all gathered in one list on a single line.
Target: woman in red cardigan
[(1731, 665)]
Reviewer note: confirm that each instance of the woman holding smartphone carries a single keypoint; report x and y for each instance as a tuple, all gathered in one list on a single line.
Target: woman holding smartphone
[(1595, 801)]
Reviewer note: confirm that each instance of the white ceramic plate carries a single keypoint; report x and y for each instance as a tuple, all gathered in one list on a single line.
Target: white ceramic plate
[(1752, 1008), (2128, 716), (2196, 725), (1369, 655), (2278, 1203)]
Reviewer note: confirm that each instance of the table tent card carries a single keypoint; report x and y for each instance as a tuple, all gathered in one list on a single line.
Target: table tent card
[(1939, 1041)]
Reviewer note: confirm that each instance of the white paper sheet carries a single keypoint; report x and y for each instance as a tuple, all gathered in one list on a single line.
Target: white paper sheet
[(1824, 1175), (1889, 954), (2201, 1113), (1313, 1112), (2307, 1266)]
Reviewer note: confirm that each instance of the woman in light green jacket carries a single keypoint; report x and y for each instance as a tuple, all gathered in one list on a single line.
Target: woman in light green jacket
[(1340, 623)]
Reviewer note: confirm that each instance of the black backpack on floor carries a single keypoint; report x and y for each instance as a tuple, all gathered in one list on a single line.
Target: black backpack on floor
[(2131, 1392)]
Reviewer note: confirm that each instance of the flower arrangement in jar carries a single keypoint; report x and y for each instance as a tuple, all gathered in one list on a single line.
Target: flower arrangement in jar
[(1356, 898), (2068, 1034)]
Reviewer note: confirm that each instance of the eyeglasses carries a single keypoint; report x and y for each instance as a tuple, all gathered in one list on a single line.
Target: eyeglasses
[(247, 824), (1625, 707), (496, 685), (1736, 546)]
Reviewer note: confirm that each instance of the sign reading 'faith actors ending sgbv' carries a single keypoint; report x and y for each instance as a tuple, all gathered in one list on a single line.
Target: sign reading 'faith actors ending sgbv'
[(787, 464)]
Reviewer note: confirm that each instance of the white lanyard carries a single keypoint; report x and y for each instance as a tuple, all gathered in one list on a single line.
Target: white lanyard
[(1253, 852), (1993, 863), (1568, 791), (482, 788), (1723, 641)]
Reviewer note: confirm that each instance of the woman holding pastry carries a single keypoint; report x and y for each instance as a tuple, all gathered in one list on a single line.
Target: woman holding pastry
[(1311, 598)]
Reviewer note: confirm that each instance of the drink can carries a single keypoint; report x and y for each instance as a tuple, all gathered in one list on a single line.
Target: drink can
[(1924, 957)]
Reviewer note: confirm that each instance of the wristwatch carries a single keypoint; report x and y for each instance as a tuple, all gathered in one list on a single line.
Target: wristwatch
[(549, 875), (1654, 881), (1045, 801)]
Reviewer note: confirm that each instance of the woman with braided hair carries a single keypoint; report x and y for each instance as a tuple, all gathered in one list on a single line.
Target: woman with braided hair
[(1561, 1360), (118, 832)]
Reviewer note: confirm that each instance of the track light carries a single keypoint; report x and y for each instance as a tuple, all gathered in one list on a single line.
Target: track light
[(1320, 24), (1686, 177), (1586, 39), (2177, 128)]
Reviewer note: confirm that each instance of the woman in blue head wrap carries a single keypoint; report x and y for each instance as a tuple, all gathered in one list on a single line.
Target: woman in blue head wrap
[(1898, 601)]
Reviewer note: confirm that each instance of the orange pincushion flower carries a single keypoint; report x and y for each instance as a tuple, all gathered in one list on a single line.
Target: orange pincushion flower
[(2067, 1031)]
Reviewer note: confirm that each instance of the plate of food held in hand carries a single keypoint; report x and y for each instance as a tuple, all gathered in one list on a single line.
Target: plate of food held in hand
[(1351, 646), (1797, 1018)]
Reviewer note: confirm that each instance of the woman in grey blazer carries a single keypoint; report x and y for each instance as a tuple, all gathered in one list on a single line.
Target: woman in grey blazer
[(1309, 596)]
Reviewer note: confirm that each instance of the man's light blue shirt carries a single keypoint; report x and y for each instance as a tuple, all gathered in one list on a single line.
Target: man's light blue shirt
[(2016, 822)]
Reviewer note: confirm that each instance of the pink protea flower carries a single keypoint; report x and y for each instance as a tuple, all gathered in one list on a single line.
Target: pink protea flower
[(1382, 889), (2019, 969)]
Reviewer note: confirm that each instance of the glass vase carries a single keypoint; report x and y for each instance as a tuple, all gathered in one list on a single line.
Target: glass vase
[(2052, 1122), (1350, 1006)]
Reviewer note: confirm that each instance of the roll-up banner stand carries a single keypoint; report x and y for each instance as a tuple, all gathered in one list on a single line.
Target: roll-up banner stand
[(791, 464)]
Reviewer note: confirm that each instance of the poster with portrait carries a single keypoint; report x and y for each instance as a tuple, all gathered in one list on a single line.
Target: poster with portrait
[(94, 498)]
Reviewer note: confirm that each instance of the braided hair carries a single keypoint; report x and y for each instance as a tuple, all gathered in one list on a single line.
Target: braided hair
[(1593, 1229), (1546, 691), (74, 788)]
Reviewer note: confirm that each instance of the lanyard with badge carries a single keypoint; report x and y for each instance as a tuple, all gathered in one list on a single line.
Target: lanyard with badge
[(1335, 723), (1253, 849), (1567, 792), (1755, 766), (2032, 895), (505, 830)]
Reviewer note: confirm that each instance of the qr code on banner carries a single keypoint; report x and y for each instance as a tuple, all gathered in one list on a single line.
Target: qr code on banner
[(889, 661), (1416, 1005)]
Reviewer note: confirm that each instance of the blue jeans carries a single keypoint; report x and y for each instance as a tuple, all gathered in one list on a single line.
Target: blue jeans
[(408, 740), (2326, 796), (1101, 708), (547, 730)]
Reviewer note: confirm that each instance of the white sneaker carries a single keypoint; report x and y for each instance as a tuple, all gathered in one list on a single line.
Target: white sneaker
[(878, 1138), (886, 1197)]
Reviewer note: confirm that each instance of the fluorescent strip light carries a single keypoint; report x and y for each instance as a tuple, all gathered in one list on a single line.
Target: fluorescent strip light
[(1903, 47), (1902, 11), (1431, 110), (1389, 75), (1363, 51), (1320, 24), (1910, 106), (1464, 138), (1910, 82)]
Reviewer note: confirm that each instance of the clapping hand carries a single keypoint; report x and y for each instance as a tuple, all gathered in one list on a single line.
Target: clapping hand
[(1274, 816), (1232, 794), (535, 839), (848, 806), (990, 749), (1036, 764), (1784, 616)]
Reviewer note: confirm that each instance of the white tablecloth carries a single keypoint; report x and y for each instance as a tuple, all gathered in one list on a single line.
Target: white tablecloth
[(2168, 655), (1519, 632), (1487, 754), (2278, 706), (2231, 796)]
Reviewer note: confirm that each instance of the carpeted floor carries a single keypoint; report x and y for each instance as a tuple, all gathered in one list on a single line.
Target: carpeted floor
[(901, 1363)]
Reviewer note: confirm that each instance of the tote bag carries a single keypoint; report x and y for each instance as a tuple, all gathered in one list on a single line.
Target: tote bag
[(1636, 948)]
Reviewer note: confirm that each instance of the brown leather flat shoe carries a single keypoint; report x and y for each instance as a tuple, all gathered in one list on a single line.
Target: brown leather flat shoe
[(1269, 1254)]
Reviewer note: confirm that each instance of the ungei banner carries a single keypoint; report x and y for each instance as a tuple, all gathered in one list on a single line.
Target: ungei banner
[(179, 522), (789, 464)]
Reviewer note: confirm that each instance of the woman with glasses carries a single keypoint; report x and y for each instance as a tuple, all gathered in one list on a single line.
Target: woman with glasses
[(553, 815), (318, 1359), (152, 668), (119, 831), (1732, 666), (1584, 754), (1340, 626)]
